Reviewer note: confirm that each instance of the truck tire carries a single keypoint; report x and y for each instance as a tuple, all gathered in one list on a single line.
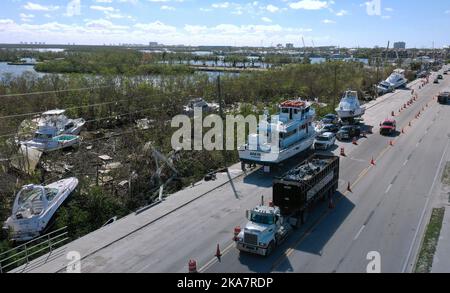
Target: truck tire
[(270, 248)]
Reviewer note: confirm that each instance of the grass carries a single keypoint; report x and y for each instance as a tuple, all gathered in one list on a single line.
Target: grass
[(430, 241), (446, 174)]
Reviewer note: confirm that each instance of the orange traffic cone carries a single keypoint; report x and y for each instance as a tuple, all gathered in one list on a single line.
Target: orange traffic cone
[(409, 124), (393, 114), (343, 152), (355, 142), (372, 162), (192, 266), (391, 143), (403, 130), (218, 253)]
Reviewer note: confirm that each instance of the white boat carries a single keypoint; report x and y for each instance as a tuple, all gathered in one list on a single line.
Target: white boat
[(47, 140), (293, 131), (34, 208), (349, 107), (200, 103), (394, 81), (63, 125)]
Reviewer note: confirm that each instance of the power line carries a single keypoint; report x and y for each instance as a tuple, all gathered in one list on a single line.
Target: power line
[(77, 107), (96, 119), (54, 91)]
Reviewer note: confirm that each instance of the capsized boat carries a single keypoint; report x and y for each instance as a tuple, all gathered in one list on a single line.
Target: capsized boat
[(277, 140), (349, 107), (62, 124), (35, 206), (47, 140), (394, 81)]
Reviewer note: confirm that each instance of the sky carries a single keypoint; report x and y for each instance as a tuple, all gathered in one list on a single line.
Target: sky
[(345, 23)]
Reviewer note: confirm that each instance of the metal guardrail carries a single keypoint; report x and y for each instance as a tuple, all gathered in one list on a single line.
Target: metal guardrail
[(24, 253)]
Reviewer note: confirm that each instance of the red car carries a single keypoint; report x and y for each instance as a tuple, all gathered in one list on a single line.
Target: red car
[(388, 127)]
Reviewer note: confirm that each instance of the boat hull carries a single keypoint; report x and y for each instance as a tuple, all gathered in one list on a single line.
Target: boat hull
[(270, 159), (345, 114), (27, 229)]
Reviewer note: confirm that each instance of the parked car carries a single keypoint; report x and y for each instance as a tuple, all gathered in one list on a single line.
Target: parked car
[(328, 128), (348, 132), (330, 119), (325, 141)]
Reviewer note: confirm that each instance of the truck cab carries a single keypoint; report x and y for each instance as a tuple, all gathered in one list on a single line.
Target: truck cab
[(444, 98), (265, 229)]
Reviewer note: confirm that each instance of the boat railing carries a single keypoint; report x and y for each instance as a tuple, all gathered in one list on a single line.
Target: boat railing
[(23, 254)]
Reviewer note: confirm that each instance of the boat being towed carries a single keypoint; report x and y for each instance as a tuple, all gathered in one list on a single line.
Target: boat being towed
[(34, 208), (292, 130)]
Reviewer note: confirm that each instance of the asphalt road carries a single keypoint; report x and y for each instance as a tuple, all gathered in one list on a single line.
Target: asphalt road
[(384, 213), (387, 208)]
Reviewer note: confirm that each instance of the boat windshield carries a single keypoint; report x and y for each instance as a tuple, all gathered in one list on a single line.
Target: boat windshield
[(51, 193), (31, 199), (42, 136), (266, 219)]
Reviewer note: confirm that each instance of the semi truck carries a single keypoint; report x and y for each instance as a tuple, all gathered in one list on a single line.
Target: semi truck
[(294, 195)]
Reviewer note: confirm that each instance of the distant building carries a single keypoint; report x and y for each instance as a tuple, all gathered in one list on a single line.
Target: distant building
[(400, 45), (153, 44), (280, 46), (289, 46)]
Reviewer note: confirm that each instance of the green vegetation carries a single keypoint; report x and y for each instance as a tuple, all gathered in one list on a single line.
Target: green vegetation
[(430, 241), (114, 104), (446, 174)]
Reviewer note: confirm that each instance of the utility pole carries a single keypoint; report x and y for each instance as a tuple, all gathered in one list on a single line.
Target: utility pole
[(219, 97), (335, 85)]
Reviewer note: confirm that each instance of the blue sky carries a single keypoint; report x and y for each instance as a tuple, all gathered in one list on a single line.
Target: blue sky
[(348, 23)]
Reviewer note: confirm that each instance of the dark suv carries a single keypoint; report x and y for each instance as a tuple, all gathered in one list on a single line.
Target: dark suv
[(348, 132)]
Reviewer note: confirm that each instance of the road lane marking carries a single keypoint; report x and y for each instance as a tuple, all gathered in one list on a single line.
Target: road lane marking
[(422, 216), (215, 260), (388, 188), (359, 232), (363, 173)]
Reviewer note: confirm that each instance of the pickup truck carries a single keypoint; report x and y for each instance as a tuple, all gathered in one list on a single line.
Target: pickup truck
[(388, 127)]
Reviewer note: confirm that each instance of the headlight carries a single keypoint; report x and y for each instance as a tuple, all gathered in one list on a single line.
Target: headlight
[(264, 245)]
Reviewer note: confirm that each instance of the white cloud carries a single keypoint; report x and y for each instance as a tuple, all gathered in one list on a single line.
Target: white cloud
[(38, 7), (167, 7), (266, 19), (328, 21), (309, 4), (103, 8), (272, 8)]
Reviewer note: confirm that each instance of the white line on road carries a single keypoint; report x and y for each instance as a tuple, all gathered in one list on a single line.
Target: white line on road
[(422, 216), (359, 232), (388, 189), (406, 162)]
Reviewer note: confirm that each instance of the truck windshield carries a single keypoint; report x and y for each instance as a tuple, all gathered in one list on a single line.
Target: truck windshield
[(389, 124), (262, 219)]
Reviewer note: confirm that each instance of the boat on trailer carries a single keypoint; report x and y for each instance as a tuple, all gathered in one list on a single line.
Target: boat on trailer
[(292, 129)]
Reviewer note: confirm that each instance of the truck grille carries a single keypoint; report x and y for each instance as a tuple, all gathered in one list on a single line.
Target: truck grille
[(250, 239)]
